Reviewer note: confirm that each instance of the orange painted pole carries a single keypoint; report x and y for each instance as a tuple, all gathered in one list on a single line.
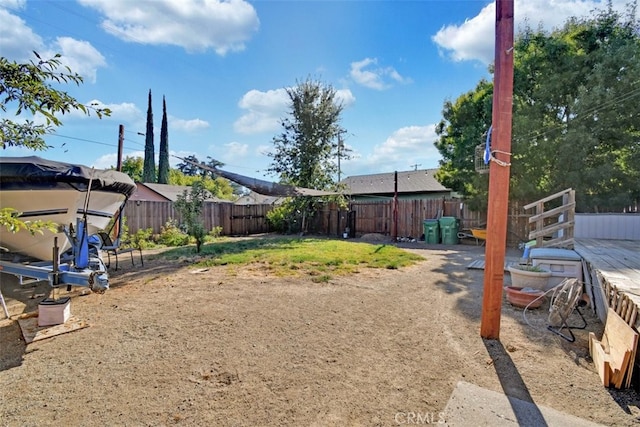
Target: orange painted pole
[(498, 172)]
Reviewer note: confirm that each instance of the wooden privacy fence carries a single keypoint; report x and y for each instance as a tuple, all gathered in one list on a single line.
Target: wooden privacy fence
[(361, 218), (234, 219)]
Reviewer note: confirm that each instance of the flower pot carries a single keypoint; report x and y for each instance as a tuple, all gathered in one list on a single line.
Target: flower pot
[(520, 297), (521, 278)]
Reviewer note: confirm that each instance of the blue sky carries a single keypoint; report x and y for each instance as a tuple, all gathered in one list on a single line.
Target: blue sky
[(223, 68)]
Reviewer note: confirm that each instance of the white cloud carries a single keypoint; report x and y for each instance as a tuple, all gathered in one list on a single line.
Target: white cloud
[(474, 39), (110, 160), (368, 74), (16, 38), (345, 97), (264, 111), (234, 151), (191, 125), (126, 111), (18, 42), (195, 25), (80, 56), (407, 146)]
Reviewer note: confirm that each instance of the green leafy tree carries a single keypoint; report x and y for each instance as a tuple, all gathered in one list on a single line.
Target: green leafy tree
[(10, 219), (464, 126), (575, 120), (188, 167), (28, 88), (305, 152), (190, 204), (133, 167), (149, 170), (218, 187), (163, 165)]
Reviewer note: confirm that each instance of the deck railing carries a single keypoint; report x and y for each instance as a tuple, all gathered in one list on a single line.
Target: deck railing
[(553, 226)]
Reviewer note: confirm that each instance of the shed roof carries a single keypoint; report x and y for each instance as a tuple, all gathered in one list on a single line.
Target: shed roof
[(415, 181), (171, 192)]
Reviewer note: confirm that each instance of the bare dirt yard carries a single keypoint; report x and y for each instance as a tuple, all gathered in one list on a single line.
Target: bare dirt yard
[(169, 344)]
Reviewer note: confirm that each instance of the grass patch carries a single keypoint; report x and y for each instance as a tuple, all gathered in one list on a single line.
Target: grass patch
[(294, 256)]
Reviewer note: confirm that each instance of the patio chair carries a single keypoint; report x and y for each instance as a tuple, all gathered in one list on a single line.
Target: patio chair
[(113, 248)]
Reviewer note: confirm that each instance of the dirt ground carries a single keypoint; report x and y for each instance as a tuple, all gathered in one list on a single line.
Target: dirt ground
[(172, 345)]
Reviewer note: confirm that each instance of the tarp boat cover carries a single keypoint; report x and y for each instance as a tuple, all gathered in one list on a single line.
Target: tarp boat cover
[(36, 172)]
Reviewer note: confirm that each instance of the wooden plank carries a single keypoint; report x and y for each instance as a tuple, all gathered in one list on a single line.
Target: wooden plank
[(600, 359), (553, 212), (547, 199), (623, 341)]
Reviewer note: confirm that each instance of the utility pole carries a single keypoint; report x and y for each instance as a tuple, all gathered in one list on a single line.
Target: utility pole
[(395, 206), (339, 155), (499, 172), (415, 167), (120, 147)]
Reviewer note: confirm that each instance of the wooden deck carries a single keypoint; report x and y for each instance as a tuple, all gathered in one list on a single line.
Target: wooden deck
[(611, 263)]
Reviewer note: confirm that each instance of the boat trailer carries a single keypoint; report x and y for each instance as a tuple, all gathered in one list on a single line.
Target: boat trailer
[(82, 265)]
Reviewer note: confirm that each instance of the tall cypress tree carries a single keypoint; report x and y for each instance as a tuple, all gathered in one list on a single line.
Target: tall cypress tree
[(149, 169), (163, 166)]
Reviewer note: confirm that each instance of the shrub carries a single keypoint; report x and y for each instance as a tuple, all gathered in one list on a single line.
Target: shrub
[(215, 232), (143, 239), (171, 235)]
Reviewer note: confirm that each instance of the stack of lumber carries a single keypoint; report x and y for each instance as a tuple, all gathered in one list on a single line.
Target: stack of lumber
[(615, 353)]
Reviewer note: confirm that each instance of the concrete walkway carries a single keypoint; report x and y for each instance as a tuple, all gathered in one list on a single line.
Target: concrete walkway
[(471, 405)]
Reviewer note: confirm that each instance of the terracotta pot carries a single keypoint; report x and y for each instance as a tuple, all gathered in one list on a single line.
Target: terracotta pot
[(529, 279), (520, 298)]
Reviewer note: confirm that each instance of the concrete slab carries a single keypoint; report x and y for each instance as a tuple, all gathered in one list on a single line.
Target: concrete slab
[(470, 405)]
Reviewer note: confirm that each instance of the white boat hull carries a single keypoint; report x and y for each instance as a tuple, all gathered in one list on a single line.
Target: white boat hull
[(61, 207)]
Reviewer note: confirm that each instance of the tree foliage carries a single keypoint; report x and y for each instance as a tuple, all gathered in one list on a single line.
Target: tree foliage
[(306, 151), (149, 170), (575, 116), (464, 126), (28, 88), (190, 205), (218, 187), (163, 164), (133, 167), (190, 169)]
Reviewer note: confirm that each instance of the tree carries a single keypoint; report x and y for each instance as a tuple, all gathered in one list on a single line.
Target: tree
[(575, 120), (149, 171), (190, 204), (305, 152), (163, 166), (28, 88), (188, 167), (218, 187), (133, 167), (464, 126)]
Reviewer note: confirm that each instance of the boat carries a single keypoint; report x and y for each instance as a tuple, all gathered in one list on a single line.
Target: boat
[(46, 190)]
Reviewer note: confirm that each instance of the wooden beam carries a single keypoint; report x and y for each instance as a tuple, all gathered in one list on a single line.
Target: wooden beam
[(498, 172)]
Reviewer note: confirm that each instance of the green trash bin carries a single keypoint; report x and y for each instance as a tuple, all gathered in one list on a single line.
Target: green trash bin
[(431, 231), (449, 229)]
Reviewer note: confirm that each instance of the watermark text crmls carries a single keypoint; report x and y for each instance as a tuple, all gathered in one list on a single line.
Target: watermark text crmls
[(419, 418)]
